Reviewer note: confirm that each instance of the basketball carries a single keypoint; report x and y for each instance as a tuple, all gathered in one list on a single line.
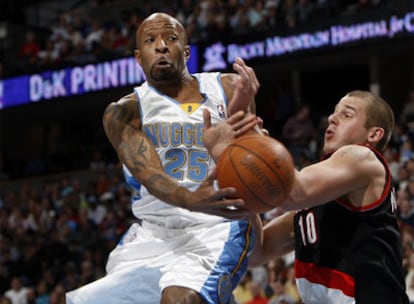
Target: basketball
[(260, 168)]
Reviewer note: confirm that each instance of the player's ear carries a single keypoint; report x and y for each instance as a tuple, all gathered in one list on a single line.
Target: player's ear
[(187, 52), (375, 134), (137, 54)]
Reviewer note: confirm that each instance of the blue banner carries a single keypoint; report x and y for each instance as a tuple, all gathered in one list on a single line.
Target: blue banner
[(76, 80)]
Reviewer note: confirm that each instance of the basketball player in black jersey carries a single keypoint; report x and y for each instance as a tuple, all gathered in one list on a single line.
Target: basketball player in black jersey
[(344, 230)]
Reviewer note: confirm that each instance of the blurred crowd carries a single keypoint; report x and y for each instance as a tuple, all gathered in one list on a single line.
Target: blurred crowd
[(56, 233), (102, 30)]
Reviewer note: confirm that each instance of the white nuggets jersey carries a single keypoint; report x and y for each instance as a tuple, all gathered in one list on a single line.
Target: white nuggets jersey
[(172, 246), (176, 130)]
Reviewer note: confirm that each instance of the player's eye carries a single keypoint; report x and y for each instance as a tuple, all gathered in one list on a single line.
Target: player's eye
[(148, 40)]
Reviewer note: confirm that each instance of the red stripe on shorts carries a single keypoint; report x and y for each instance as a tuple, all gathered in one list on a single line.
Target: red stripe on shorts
[(327, 277)]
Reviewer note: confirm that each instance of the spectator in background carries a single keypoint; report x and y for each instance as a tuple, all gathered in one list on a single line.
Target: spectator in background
[(242, 293), (257, 293), (95, 35), (96, 210), (29, 49), (37, 219), (117, 43), (410, 276), (291, 289), (410, 290), (405, 210), (407, 117), (57, 296), (305, 10), (260, 275), (48, 55), (279, 293), (289, 9), (239, 22), (97, 161), (403, 177), (5, 300), (406, 151), (17, 292), (74, 36), (285, 106), (42, 293), (255, 14), (87, 273), (31, 296), (410, 186), (407, 113), (298, 131), (394, 165), (272, 17), (60, 29)]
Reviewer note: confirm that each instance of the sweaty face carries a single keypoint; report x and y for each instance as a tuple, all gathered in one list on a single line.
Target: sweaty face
[(346, 124), (161, 49)]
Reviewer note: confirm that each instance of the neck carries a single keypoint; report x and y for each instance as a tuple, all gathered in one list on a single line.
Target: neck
[(176, 87)]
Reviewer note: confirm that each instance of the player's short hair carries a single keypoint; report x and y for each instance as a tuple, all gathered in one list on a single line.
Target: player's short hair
[(379, 114)]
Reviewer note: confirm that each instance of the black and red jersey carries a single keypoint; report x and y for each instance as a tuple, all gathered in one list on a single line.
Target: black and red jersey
[(350, 255)]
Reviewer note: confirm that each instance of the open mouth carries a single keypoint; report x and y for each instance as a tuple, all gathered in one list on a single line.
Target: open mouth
[(163, 62), (329, 134)]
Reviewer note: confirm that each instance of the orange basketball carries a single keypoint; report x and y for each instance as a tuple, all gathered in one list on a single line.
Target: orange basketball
[(260, 168)]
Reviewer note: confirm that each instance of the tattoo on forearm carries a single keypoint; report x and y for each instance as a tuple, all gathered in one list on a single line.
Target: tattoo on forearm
[(142, 149), (137, 160), (158, 181)]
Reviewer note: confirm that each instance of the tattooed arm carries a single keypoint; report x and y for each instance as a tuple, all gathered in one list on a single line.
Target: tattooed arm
[(123, 127)]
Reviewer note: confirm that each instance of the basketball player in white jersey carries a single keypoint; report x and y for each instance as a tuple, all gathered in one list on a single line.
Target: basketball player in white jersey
[(344, 231), (183, 248)]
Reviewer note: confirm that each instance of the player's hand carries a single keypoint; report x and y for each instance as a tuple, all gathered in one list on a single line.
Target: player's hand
[(217, 138), (261, 127), (246, 87), (208, 199)]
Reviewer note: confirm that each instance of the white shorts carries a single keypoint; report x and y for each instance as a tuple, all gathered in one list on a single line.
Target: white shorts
[(210, 259)]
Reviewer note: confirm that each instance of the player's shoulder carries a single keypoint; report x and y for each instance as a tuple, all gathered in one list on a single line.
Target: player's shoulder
[(125, 101), (132, 97), (125, 104), (228, 77), (354, 151), (360, 156), (227, 80)]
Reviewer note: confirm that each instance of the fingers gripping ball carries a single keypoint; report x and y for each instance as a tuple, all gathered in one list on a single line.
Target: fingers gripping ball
[(260, 168)]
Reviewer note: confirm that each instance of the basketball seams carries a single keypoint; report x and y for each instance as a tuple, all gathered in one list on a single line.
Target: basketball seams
[(236, 170), (260, 168), (260, 158), (275, 172)]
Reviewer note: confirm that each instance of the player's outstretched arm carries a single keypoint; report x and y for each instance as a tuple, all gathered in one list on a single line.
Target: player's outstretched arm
[(337, 176), (123, 127)]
